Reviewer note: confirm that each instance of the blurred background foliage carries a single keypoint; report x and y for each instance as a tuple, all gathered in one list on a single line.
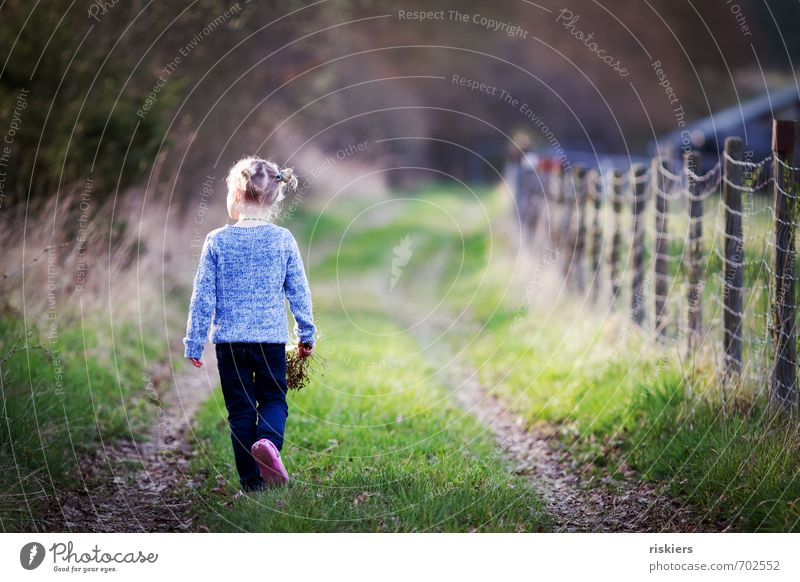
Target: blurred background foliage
[(274, 74)]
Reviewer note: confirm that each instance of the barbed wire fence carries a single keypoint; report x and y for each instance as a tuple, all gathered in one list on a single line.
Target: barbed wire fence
[(707, 259)]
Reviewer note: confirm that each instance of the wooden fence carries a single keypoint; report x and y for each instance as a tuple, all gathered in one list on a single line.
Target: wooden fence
[(739, 269)]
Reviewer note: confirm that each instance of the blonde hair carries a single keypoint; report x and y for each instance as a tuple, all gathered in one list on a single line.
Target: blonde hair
[(259, 182)]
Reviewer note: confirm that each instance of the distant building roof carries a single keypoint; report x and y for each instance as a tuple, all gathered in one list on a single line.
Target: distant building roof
[(751, 120)]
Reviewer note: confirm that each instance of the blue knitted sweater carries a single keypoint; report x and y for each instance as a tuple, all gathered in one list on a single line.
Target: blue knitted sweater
[(243, 279)]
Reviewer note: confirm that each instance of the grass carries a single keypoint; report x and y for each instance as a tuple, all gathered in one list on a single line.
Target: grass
[(57, 405), (740, 467), (375, 445)]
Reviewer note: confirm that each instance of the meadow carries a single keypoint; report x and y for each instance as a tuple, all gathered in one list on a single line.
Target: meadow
[(410, 291), (360, 434)]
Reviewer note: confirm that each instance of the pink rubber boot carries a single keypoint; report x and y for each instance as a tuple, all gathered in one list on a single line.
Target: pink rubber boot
[(269, 461)]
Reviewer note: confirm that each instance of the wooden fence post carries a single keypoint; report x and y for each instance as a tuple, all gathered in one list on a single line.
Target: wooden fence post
[(521, 193), (733, 284), (557, 196), (639, 191), (595, 197), (531, 193), (616, 240), (579, 188), (783, 385), (536, 195), (691, 162), (566, 232), (554, 189), (661, 251)]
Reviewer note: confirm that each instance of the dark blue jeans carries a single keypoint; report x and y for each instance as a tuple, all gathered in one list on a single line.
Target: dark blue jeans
[(253, 378)]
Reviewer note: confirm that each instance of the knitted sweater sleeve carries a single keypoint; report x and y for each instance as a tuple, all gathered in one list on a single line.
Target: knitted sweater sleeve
[(204, 299), (299, 294)]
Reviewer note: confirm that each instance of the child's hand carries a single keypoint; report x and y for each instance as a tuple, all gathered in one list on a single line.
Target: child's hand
[(196, 362), (304, 350)]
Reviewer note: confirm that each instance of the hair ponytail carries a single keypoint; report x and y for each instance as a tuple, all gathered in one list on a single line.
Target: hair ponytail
[(288, 178)]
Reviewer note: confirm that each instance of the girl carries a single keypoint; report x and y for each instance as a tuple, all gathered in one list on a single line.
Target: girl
[(247, 270)]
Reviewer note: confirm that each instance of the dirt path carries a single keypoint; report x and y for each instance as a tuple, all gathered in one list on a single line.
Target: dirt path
[(577, 502), (141, 486)]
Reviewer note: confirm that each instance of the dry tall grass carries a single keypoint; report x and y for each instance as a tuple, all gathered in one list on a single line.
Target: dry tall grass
[(77, 256)]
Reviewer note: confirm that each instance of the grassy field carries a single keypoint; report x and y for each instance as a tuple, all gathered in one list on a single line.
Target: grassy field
[(376, 447), (378, 442)]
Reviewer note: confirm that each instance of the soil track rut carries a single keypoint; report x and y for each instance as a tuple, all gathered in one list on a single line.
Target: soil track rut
[(579, 498), (140, 486), (576, 501)]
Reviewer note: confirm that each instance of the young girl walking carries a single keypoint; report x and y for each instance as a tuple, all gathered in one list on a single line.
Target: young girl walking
[(246, 273)]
